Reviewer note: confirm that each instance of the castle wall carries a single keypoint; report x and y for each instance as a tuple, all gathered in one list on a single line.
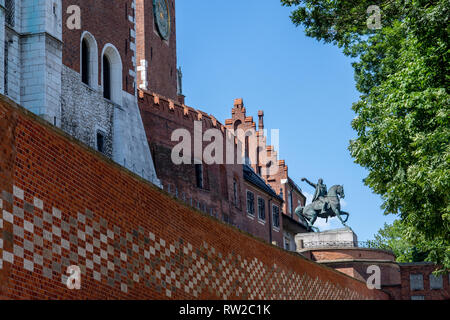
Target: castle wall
[(160, 120), (85, 111), (64, 204)]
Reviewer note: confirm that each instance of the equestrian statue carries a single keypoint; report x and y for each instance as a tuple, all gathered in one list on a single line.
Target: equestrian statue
[(324, 204)]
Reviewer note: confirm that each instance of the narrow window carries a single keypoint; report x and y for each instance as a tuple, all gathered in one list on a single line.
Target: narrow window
[(199, 175), (276, 216), (261, 209), (290, 209), (10, 12), (106, 78), (5, 66), (85, 62), (250, 203), (100, 141), (287, 243), (235, 197), (247, 153)]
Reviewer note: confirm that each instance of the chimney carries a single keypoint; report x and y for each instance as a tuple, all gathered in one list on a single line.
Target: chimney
[(261, 120), (238, 103)]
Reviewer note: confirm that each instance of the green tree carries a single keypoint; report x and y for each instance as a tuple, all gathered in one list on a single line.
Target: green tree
[(403, 115), (391, 237)]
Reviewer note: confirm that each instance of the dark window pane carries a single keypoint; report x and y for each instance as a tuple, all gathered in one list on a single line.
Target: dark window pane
[(10, 12), (85, 62), (100, 142), (106, 78), (250, 203), (276, 216), (199, 175), (261, 209)]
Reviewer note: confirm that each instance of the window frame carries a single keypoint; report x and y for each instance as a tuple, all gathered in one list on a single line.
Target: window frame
[(264, 209), (252, 202), (10, 13), (278, 216)]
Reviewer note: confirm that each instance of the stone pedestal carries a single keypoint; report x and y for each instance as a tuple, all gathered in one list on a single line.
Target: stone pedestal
[(339, 249), (344, 237)]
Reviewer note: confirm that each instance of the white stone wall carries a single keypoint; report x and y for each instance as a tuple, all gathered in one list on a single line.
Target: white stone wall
[(41, 57), (53, 66), (84, 111), (130, 146), (12, 72)]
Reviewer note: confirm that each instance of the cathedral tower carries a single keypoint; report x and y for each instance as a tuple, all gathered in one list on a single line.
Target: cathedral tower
[(156, 47)]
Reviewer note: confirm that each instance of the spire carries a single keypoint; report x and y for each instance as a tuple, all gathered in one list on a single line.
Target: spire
[(261, 120)]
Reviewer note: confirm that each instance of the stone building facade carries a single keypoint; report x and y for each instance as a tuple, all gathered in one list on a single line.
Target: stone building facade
[(63, 63)]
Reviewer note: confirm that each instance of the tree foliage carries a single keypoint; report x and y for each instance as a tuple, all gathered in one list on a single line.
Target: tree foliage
[(403, 115), (391, 237)]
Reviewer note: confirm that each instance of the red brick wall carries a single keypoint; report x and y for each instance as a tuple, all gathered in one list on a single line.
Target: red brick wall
[(426, 270), (160, 120), (100, 18), (263, 229), (72, 206)]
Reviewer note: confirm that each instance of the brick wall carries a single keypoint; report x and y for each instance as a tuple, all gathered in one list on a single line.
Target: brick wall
[(408, 290), (161, 117), (263, 228), (160, 55), (99, 18), (64, 204)]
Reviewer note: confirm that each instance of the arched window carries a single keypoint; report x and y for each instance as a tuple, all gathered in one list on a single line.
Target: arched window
[(89, 60), (247, 151), (85, 63), (106, 78), (112, 74), (237, 123)]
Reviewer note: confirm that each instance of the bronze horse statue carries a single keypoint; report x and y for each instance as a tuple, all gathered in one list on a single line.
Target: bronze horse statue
[(314, 210)]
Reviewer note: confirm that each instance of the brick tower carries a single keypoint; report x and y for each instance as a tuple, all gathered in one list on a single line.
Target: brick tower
[(156, 47)]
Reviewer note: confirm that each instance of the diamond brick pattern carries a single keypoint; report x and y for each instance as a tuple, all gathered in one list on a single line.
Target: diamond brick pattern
[(122, 259)]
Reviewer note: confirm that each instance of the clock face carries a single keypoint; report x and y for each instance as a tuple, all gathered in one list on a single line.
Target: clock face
[(162, 17)]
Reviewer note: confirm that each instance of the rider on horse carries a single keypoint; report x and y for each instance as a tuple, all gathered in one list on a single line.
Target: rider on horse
[(320, 194)]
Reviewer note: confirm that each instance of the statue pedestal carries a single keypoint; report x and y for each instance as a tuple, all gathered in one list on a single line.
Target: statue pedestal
[(339, 249), (344, 237)]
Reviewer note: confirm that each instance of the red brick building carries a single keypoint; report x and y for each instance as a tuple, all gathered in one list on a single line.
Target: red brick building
[(232, 192), (402, 281)]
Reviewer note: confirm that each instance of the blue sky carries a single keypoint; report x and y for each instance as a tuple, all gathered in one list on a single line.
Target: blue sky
[(250, 49)]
